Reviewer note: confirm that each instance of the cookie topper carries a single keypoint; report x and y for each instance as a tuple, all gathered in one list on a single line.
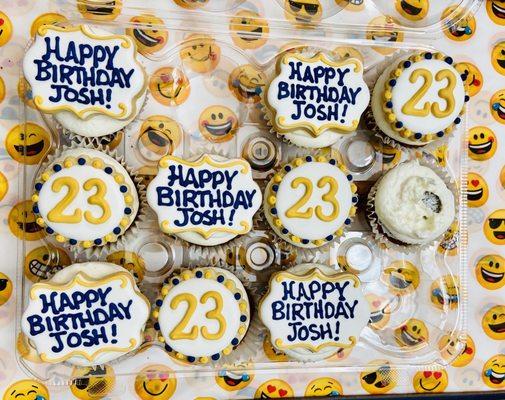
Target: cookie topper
[(317, 93), (73, 69)]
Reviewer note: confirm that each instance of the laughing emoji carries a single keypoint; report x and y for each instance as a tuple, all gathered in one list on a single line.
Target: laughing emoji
[(26, 389), (200, 53), (234, 377), (494, 227), (472, 77), (459, 27), (302, 12), (430, 381), (48, 19), (324, 387), (100, 10), (493, 372), (444, 292), (477, 190), (378, 377), (249, 30), (384, 29), (92, 383), (274, 389), (496, 11), (159, 136), (482, 143), (169, 86), (42, 262), (27, 143), (23, 222), (149, 33), (451, 351), (414, 10), (401, 276), (218, 124), (490, 271), (246, 82), (493, 323), (412, 333), (498, 57), (155, 382), (497, 104)]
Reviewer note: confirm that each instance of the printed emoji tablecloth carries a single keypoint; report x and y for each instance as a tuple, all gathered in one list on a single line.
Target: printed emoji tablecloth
[(477, 43)]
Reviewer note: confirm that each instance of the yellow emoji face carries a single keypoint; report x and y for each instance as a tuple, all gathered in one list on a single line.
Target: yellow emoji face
[(23, 222), (497, 105), (378, 377), (111, 141), (169, 86), (302, 12), (130, 261), (493, 322), (449, 347), (449, 243), (246, 82), (27, 389), (25, 92), (440, 153), (498, 57), (493, 372), (27, 143), (148, 32), (201, 53), (271, 352), (218, 124), (412, 333), (100, 10), (249, 30), (490, 271), (482, 143), (472, 76), (2, 90), (346, 52), (191, 4), (390, 156), (401, 276), (444, 292), (42, 262), (380, 311), (155, 382), (5, 288), (92, 383), (234, 377), (5, 28), (384, 29), (459, 27), (274, 389), (496, 11), (324, 387), (494, 227), (413, 10), (477, 190), (47, 19), (430, 381), (159, 136), (4, 186)]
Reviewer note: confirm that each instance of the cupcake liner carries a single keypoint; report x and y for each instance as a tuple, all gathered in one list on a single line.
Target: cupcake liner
[(133, 229), (379, 232)]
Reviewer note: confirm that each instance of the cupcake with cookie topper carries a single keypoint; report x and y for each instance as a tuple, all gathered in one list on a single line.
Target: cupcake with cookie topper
[(90, 80), (314, 100)]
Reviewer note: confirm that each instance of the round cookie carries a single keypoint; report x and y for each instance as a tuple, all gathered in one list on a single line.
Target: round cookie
[(419, 99), (413, 205), (87, 314), (308, 201), (202, 315), (312, 311), (89, 79), (85, 198)]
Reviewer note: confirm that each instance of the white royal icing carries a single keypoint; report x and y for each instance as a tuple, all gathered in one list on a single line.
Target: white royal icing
[(405, 210), (311, 311), (87, 314), (225, 198)]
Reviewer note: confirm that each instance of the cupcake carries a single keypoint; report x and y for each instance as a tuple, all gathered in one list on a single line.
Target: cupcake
[(419, 99), (202, 315), (90, 80), (309, 201), (314, 100), (87, 314), (85, 198), (411, 205)]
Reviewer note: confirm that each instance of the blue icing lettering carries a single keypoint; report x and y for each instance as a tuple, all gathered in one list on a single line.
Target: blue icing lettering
[(313, 332)]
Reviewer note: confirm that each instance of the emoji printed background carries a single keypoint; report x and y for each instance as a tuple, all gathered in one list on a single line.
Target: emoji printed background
[(477, 42)]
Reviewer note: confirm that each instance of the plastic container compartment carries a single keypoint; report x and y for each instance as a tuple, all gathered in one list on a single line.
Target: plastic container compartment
[(376, 40)]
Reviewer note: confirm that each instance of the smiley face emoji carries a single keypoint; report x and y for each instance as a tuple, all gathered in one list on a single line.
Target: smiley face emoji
[(42, 262), (413, 10), (496, 11), (459, 27), (493, 322), (155, 382), (4, 186), (149, 33), (191, 4), (249, 30), (430, 381), (47, 19), (494, 227), (5, 28), (100, 10), (493, 372), (26, 389), (380, 311), (347, 52), (92, 383), (401, 276), (477, 190), (451, 351), (482, 143), (412, 333), (472, 77), (449, 243), (27, 143), (169, 86), (234, 377), (444, 292), (302, 12), (497, 105), (23, 222), (271, 352), (218, 124), (246, 82), (490, 271), (200, 53), (274, 389), (5, 288), (130, 261), (498, 57), (384, 29), (324, 387), (378, 377), (159, 136)]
